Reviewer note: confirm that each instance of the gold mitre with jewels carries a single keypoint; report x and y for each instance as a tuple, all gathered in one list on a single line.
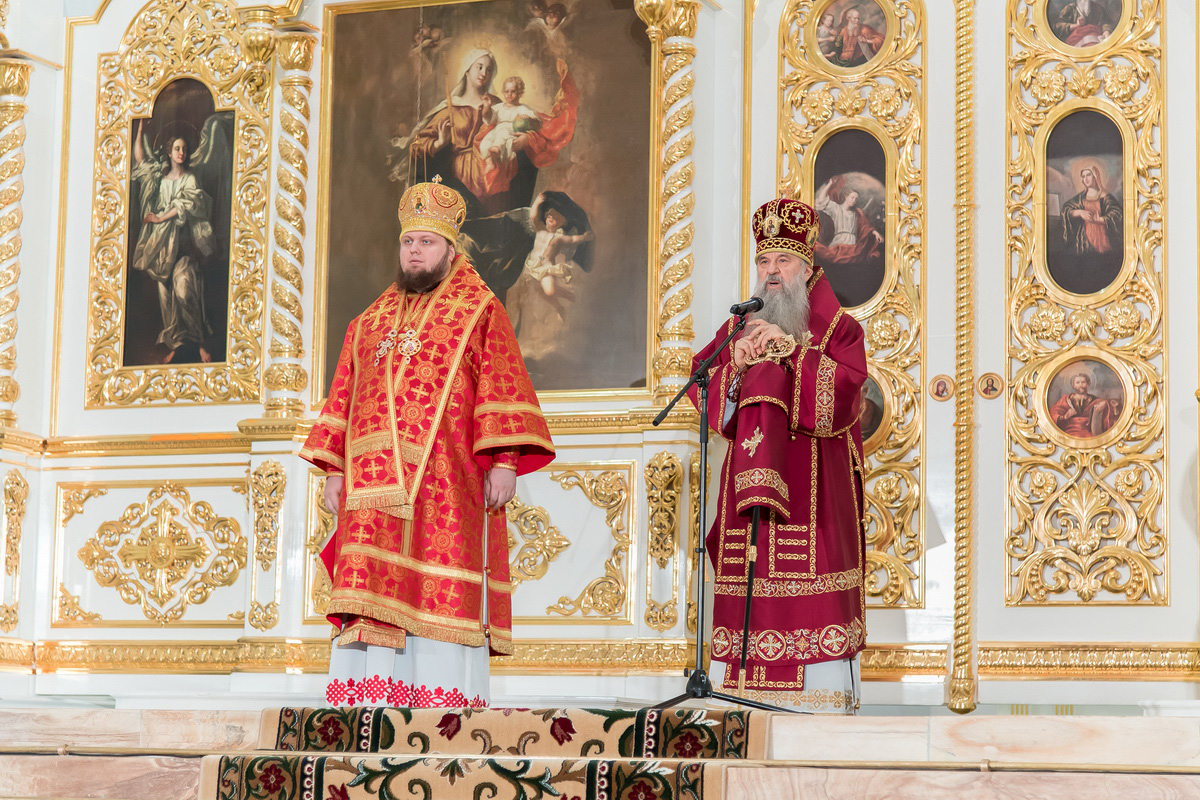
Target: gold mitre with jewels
[(432, 207), (786, 226)]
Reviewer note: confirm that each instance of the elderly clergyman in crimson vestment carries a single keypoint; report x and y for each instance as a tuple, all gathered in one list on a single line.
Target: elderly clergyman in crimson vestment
[(430, 418), (786, 394)]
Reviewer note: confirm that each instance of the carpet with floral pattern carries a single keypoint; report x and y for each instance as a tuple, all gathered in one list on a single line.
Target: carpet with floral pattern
[(280, 776), (558, 732)]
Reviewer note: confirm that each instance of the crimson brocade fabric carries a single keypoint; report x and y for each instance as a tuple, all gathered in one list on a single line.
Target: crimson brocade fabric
[(795, 451), (414, 434)]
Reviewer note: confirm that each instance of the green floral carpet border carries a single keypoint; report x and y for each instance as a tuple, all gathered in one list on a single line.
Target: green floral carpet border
[(322, 777), (555, 732)]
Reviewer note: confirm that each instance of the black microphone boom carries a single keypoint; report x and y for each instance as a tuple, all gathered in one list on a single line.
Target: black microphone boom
[(751, 305)]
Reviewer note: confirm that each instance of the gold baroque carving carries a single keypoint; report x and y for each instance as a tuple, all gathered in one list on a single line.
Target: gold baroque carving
[(694, 534), (264, 616), (1086, 661), (166, 554), (321, 524), (1086, 522), (267, 484), (14, 86), (74, 499), (540, 542), (69, 609), (16, 492), (664, 480), (962, 676), (886, 98), (285, 379), (169, 39), (605, 596)]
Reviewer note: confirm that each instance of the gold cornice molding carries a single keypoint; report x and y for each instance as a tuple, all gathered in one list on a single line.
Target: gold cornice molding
[(895, 662), (16, 655), (21, 442), (146, 445), (1116, 661)]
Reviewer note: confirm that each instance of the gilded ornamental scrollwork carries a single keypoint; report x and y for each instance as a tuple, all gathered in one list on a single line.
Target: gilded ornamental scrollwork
[(605, 596), (880, 100), (664, 484), (267, 484), (166, 554), (16, 493), (1086, 311), (533, 541), (321, 523), (201, 39)]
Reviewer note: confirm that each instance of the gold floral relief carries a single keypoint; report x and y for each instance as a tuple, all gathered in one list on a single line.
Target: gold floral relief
[(883, 97), (533, 541), (201, 39), (166, 554), (1086, 399), (607, 596), (694, 534), (664, 484), (321, 523), (16, 493)]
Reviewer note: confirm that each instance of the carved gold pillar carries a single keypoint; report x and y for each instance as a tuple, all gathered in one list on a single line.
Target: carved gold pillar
[(14, 86), (258, 41), (672, 27), (962, 686), (285, 379)]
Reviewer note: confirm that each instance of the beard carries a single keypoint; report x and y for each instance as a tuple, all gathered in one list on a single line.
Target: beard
[(423, 279), (785, 306)]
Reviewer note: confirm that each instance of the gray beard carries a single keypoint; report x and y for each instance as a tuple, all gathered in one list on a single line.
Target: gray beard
[(786, 306)]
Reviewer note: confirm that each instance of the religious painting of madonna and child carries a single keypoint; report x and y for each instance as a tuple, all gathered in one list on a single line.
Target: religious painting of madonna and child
[(180, 194), (850, 196), (1085, 217), (539, 115), (1085, 399), (1083, 23), (850, 33)]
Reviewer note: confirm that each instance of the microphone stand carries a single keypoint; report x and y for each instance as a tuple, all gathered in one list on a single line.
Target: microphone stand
[(699, 685)]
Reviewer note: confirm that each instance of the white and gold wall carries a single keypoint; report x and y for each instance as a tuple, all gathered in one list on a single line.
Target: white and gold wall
[(160, 533)]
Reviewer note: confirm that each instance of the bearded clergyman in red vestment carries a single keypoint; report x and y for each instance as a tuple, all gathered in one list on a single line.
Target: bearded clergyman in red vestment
[(430, 418), (786, 394)]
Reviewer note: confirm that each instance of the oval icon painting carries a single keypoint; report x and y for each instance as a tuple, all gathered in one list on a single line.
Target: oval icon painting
[(851, 33), (851, 198), (1085, 217)]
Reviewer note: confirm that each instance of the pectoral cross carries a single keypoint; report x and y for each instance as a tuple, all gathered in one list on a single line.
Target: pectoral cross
[(407, 344)]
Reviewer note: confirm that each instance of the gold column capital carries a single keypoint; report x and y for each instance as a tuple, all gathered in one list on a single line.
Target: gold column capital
[(258, 42), (653, 13), (14, 76), (682, 19), (295, 50)]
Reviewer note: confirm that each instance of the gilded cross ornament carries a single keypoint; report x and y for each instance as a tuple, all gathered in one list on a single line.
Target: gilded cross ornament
[(166, 554), (407, 344), (751, 443)]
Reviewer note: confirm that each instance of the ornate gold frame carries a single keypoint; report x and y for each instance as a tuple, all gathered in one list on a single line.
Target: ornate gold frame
[(1084, 53), (1051, 369), (130, 80), (70, 497), (810, 41), (671, 203), (1084, 512), (885, 98), (1130, 259)]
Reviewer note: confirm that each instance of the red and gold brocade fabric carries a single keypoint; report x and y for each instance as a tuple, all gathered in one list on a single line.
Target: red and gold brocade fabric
[(414, 436), (795, 450)]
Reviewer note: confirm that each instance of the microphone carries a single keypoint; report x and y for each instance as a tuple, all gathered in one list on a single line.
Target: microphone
[(750, 306)]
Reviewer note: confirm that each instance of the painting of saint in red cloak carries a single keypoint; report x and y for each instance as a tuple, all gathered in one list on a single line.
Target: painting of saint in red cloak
[(1085, 398)]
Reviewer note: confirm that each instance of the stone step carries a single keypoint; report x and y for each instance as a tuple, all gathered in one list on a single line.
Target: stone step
[(105, 777)]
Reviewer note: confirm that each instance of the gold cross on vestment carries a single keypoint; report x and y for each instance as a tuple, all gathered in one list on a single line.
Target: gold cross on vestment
[(453, 306), (750, 445)]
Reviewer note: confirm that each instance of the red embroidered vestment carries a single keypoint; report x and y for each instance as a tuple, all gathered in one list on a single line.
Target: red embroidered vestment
[(795, 450), (430, 391)]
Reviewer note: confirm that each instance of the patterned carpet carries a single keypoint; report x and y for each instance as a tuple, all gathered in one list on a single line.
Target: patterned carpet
[(284, 777), (553, 732), (488, 754)]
